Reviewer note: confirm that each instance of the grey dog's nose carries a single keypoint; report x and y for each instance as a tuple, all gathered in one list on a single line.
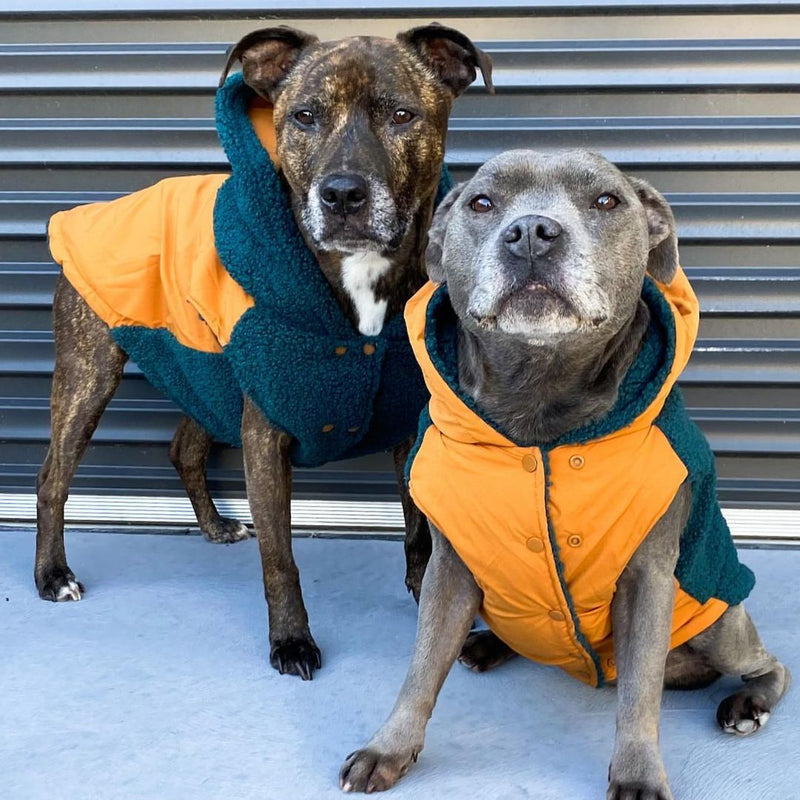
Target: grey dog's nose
[(343, 194), (531, 235)]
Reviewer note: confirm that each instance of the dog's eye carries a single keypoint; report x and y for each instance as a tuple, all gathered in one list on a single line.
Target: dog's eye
[(606, 202), (481, 204), (305, 118), (402, 116)]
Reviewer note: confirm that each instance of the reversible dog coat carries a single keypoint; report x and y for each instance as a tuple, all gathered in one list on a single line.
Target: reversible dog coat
[(207, 284), (547, 528)]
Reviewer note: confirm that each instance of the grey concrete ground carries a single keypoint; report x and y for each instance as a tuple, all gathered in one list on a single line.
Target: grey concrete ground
[(157, 686)]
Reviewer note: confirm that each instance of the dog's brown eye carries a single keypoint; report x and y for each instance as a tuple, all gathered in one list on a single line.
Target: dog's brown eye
[(481, 204), (305, 118), (402, 116), (606, 202)]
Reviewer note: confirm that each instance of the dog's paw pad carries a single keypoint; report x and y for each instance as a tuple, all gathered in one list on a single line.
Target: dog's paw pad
[(741, 714), (59, 587), (226, 531), (296, 656)]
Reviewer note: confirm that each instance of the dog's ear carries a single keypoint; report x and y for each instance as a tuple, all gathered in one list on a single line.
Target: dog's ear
[(267, 56), (663, 260), (451, 55), (433, 252)]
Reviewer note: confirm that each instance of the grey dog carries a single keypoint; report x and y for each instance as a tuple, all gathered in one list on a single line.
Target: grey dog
[(360, 126), (584, 236)]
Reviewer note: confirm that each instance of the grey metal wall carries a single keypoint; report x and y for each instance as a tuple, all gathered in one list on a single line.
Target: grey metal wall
[(702, 98)]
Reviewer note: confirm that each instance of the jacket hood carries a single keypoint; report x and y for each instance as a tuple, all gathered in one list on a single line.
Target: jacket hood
[(664, 353)]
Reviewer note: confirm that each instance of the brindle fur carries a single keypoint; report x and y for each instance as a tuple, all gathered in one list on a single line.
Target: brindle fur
[(539, 374), (352, 85)]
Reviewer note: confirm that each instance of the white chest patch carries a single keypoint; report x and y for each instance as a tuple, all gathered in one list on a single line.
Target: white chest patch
[(360, 274)]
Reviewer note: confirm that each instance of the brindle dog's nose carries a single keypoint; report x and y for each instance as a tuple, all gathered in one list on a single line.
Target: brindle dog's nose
[(343, 194), (531, 235)]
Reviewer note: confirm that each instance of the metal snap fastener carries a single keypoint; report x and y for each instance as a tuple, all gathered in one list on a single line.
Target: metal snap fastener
[(327, 428), (574, 540), (369, 349), (340, 351), (535, 545), (529, 463), (576, 462), (556, 615), (354, 429)]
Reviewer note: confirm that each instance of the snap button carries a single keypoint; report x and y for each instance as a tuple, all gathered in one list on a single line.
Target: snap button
[(576, 462), (529, 462), (556, 615), (340, 350), (535, 545), (369, 349), (611, 663), (575, 540), (354, 429), (327, 428)]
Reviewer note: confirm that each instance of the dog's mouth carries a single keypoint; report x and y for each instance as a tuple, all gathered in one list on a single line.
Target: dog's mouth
[(532, 302), (351, 235)]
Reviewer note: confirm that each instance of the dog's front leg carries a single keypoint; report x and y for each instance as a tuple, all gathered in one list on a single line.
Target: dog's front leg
[(268, 475), (418, 536), (641, 617), (449, 600)]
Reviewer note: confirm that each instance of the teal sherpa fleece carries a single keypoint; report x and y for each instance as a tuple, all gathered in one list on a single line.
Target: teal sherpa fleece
[(708, 565), (281, 352)]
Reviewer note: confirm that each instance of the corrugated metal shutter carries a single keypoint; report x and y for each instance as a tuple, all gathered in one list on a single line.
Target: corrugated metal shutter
[(702, 98)]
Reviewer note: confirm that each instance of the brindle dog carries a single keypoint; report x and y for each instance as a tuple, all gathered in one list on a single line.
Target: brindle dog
[(361, 126)]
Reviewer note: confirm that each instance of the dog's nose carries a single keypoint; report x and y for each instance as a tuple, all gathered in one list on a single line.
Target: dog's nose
[(343, 194), (531, 235)]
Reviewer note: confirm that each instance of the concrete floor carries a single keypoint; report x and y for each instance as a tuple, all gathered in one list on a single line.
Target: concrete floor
[(157, 686)]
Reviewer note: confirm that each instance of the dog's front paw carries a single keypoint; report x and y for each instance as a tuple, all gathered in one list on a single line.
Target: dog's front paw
[(225, 531), (370, 770), (637, 773), (59, 585), (295, 656), (742, 714)]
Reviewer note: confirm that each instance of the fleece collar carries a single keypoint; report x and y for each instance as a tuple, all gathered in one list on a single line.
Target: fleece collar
[(641, 393)]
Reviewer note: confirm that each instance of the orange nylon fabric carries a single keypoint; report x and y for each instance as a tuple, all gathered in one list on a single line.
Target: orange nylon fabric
[(149, 258), (602, 499)]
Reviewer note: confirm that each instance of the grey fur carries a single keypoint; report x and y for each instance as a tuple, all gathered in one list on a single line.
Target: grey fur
[(540, 370)]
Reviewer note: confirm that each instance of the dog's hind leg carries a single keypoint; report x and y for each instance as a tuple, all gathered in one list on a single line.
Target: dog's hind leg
[(87, 372), (268, 473), (188, 452), (733, 647), (483, 650), (418, 536)]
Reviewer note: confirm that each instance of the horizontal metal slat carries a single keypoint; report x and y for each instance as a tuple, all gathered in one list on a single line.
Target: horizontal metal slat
[(43, 8), (575, 65), (736, 431), (721, 291), (742, 217), (655, 141)]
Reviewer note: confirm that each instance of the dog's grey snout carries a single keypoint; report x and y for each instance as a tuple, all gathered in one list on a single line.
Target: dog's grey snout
[(531, 235), (343, 193)]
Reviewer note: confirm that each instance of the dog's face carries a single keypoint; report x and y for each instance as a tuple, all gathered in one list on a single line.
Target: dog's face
[(545, 247), (360, 125)]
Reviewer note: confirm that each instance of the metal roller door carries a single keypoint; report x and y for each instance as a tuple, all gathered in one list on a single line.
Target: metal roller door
[(701, 98)]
